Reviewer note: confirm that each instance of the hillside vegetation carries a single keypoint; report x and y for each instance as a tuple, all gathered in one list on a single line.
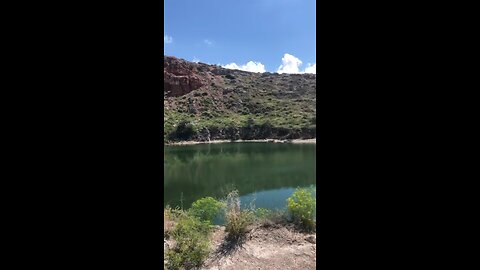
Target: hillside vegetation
[(207, 102)]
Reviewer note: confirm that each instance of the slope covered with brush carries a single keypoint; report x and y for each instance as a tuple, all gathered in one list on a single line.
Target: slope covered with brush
[(207, 102)]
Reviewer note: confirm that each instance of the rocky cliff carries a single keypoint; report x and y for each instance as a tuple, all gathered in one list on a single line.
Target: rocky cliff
[(181, 77), (206, 102)]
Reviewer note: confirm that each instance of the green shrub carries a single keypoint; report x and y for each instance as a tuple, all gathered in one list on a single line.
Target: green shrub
[(302, 205), (237, 220), (191, 243), (184, 131), (206, 209)]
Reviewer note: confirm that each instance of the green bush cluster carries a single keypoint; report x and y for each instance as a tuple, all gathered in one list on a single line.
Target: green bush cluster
[(191, 243), (191, 233), (207, 209), (193, 227), (184, 132), (302, 205)]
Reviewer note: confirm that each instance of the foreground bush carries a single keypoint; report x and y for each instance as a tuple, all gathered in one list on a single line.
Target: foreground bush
[(237, 220), (191, 229), (301, 206), (206, 209), (191, 243)]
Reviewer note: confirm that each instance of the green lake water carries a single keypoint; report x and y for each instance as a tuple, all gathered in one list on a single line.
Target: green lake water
[(263, 173)]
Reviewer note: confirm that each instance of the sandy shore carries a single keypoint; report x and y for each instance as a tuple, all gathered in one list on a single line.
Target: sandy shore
[(296, 141)]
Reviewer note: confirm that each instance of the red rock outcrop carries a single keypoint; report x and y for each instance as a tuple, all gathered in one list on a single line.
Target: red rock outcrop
[(181, 77)]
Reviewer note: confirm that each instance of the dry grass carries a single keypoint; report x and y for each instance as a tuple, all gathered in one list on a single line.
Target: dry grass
[(168, 224), (237, 220)]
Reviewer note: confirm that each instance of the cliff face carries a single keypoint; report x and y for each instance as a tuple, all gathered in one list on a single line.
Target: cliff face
[(181, 78), (204, 102)]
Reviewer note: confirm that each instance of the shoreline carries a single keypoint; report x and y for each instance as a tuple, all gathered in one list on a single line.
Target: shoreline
[(294, 141)]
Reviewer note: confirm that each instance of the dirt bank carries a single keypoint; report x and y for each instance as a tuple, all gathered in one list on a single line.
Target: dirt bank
[(275, 247)]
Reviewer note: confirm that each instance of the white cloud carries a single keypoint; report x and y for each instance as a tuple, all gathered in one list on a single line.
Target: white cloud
[(208, 42), (167, 39), (250, 66), (311, 68), (195, 60), (290, 64)]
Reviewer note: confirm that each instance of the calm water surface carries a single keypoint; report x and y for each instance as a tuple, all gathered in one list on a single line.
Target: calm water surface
[(263, 173)]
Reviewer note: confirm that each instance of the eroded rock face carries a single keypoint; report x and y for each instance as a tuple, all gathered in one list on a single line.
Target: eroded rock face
[(181, 77)]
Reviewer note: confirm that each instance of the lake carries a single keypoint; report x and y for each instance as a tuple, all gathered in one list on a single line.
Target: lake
[(265, 174)]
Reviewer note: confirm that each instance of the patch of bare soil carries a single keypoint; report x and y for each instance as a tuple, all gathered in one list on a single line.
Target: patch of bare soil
[(274, 247)]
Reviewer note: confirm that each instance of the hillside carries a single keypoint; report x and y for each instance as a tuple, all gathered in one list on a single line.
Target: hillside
[(208, 102)]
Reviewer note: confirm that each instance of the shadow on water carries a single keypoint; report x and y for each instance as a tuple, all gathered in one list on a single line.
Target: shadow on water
[(265, 172)]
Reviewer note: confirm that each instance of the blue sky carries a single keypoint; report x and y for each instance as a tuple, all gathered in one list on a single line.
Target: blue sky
[(253, 35)]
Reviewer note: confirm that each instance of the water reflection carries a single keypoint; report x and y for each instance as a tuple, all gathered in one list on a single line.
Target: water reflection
[(270, 171)]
